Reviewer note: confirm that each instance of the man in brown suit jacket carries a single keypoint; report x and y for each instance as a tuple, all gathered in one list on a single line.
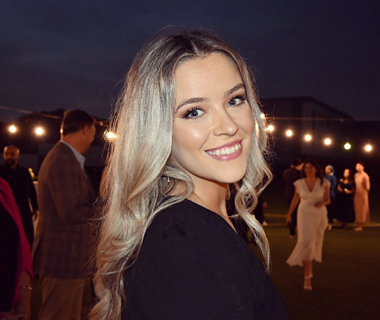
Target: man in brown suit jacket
[(64, 236)]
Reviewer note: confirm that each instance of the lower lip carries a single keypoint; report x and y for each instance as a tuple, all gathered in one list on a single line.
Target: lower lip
[(227, 157)]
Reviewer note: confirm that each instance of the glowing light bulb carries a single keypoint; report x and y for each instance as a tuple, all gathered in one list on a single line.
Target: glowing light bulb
[(262, 115), (109, 135), (327, 141), (289, 133), (347, 146), (368, 148), (270, 128), (39, 131), (308, 137), (12, 128)]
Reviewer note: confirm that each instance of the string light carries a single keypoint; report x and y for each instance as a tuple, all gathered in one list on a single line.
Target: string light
[(308, 137), (12, 128), (270, 128), (289, 133), (39, 131), (109, 135), (347, 146), (368, 148), (327, 141)]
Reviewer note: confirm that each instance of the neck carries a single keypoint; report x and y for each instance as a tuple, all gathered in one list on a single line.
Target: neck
[(73, 141), (211, 195)]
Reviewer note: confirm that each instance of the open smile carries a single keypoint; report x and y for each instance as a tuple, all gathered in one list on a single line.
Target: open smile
[(226, 152)]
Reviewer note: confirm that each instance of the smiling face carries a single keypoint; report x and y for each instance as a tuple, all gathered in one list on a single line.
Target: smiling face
[(213, 123)]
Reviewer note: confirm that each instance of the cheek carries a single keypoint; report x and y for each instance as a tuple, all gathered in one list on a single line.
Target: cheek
[(188, 138), (247, 123)]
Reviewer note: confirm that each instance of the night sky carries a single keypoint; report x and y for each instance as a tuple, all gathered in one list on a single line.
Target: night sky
[(74, 54)]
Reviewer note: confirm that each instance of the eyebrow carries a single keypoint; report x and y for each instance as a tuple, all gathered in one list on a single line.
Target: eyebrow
[(198, 100), (237, 87), (190, 101)]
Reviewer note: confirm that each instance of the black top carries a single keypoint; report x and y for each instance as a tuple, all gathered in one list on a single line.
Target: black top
[(22, 187), (289, 176), (193, 266)]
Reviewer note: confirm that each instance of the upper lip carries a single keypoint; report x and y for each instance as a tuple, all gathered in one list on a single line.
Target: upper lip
[(227, 145)]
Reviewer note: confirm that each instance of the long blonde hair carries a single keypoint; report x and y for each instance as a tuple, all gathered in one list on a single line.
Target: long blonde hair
[(135, 185)]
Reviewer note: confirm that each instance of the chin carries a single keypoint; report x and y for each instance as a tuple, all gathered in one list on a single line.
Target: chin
[(231, 177)]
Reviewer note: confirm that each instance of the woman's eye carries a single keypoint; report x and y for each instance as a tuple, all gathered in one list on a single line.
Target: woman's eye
[(193, 113), (236, 101)]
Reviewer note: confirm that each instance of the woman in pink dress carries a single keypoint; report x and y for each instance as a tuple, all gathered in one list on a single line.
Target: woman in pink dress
[(15, 260), (312, 193), (361, 202)]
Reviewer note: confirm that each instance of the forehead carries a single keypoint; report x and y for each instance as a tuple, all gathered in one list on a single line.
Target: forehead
[(10, 150), (207, 74)]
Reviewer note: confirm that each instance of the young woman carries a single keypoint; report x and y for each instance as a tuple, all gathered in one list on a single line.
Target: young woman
[(361, 200), (188, 124), (345, 199), (15, 260), (312, 193)]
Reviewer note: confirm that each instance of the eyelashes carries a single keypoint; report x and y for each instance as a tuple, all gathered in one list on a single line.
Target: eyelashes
[(196, 112), (192, 113), (236, 101)]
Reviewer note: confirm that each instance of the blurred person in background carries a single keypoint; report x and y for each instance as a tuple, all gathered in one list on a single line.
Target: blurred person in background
[(312, 193), (15, 260), (361, 200), (22, 186), (330, 176), (289, 176), (65, 236), (344, 208)]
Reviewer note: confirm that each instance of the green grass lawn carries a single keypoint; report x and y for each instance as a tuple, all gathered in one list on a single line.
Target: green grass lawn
[(346, 285)]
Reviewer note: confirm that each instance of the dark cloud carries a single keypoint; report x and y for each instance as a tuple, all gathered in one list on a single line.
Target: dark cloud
[(74, 53)]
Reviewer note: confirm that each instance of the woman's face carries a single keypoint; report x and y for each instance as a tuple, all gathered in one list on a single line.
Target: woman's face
[(359, 167), (346, 173), (310, 170), (213, 124)]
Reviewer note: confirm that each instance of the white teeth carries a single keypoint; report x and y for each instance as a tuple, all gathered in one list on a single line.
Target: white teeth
[(225, 151)]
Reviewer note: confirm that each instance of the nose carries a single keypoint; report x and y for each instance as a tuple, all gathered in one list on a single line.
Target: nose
[(223, 123)]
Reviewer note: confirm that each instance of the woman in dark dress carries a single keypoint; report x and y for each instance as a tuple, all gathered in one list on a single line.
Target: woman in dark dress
[(188, 125), (345, 199)]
